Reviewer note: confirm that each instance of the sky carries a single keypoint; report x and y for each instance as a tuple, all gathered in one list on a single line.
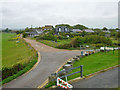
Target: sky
[(18, 14)]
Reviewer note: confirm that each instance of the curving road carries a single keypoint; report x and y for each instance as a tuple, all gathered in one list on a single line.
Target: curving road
[(51, 60)]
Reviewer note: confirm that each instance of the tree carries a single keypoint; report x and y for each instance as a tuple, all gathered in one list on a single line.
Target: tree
[(73, 42), (6, 30), (78, 26), (105, 28), (26, 29), (24, 35)]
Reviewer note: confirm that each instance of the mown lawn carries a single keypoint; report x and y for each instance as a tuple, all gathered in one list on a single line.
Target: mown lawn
[(96, 62), (14, 53)]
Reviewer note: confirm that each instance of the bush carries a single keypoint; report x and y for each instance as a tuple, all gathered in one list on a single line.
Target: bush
[(64, 46), (47, 37), (9, 74)]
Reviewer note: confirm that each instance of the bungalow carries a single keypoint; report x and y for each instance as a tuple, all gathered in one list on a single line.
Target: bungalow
[(47, 27), (76, 30), (34, 32), (89, 31), (62, 29), (106, 31)]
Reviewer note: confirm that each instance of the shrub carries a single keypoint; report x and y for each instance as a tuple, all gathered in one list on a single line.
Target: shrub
[(64, 46)]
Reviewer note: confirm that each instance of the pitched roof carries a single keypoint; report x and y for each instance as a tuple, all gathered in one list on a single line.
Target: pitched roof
[(76, 30), (88, 30)]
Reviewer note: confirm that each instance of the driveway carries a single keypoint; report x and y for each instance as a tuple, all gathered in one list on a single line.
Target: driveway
[(51, 60), (108, 79)]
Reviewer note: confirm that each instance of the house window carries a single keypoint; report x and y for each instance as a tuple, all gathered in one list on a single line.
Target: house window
[(66, 29), (59, 29)]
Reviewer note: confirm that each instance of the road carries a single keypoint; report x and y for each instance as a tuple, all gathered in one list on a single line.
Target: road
[(51, 60), (108, 79)]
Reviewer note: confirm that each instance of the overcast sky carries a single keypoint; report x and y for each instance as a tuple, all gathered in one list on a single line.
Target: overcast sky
[(91, 13)]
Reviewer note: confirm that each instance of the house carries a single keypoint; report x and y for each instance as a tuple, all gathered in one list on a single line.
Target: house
[(76, 30), (106, 31), (34, 32), (47, 27), (117, 30), (89, 31), (62, 29)]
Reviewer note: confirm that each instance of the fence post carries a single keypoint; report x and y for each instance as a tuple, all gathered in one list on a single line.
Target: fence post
[(81, 71), (56, 78), (66, 78)]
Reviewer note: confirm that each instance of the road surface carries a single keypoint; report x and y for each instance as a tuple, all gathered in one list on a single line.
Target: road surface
[(51, 60), (108, 79)]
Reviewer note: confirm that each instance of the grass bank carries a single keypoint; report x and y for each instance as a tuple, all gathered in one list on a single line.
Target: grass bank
[(93, 63), (17, 57), (14, 53)]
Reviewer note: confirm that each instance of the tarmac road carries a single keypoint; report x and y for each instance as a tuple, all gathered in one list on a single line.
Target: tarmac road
[(108, 79), (51, 60)]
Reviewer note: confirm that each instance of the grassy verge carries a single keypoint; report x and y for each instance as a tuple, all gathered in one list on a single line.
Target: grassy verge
[(93, 63), (13, 52), (54, 44), (27, 68), (18, 57)]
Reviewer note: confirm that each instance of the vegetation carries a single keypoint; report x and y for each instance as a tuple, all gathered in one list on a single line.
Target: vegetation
[(93, 63), (17, 56), (96, 62), (16, 73), (94, 40)]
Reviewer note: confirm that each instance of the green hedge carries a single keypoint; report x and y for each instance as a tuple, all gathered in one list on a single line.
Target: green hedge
[(18, 70)]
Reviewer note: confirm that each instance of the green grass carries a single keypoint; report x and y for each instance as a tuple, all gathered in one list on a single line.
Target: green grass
[(93, 63), (96, 62), (14, 53), (113, 40), (54, 44), (27, 68)]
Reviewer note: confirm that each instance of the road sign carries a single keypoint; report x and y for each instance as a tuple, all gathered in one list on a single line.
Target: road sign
[(68, 86)]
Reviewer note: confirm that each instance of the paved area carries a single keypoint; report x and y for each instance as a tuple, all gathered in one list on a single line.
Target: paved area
[(51, 60), (108, 79)]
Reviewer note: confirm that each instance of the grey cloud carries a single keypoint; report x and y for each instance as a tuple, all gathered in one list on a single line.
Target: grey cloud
[(92, 14)]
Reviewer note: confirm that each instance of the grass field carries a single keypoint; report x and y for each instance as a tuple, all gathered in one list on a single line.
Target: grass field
[(14, 53), (93, 63)]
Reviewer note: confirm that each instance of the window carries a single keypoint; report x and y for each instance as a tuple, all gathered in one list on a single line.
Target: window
[(59, 29), (66, 29)]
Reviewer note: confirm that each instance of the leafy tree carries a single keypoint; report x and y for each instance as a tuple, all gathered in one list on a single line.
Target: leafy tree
[(73, 42), (104, 28), (78, 26), (27, 29), (24, 35)]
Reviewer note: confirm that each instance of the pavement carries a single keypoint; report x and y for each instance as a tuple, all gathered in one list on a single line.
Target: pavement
[(51, 60), (108, 79)]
